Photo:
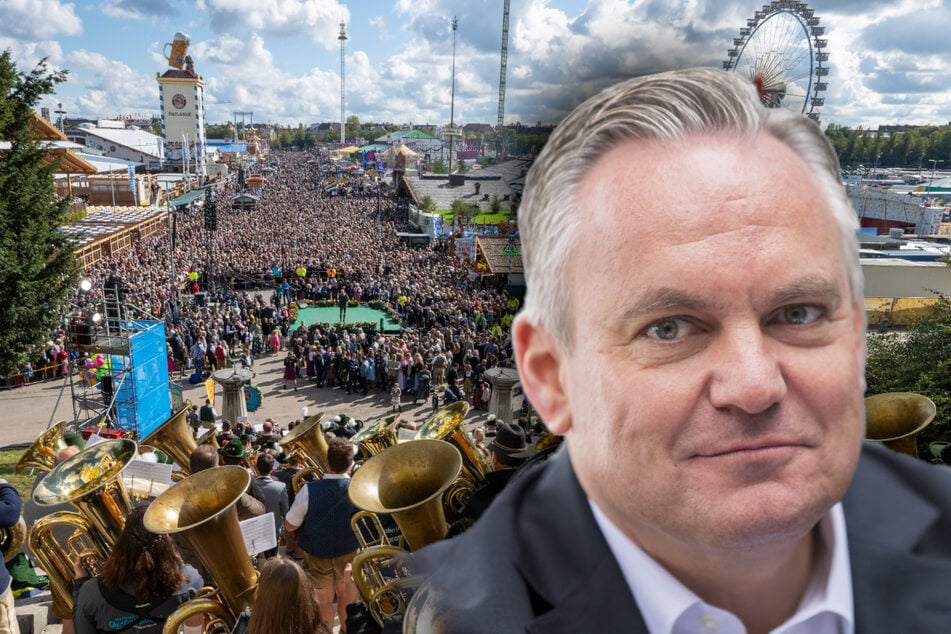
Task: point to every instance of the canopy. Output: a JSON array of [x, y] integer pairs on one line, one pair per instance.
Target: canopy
[[398, 150]]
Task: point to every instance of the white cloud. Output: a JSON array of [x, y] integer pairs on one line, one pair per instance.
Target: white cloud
[[317, 19], [38, 19], [379, 23], [110, 86]]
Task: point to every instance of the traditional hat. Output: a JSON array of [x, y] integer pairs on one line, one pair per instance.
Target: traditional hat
[[509, 441], [233, 450]]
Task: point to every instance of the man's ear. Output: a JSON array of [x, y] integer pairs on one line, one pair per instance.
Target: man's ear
[[540, 369]]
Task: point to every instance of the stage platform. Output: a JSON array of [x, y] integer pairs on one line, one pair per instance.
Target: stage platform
[[355, 314]]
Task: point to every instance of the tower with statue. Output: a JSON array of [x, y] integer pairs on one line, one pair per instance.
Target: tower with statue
[[181, 95]]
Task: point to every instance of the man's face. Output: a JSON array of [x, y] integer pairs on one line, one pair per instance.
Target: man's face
[[715, 372]]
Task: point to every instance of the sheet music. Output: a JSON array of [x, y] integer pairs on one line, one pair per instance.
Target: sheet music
[[150, 479], [258, 427], [258, 533]]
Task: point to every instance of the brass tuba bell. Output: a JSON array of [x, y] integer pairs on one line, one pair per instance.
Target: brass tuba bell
[[174, 437], [41, 455], [407, 481], [447, 424], [202, 507], [91, 481], [377, 436], [12, 538], [896, 418], [309, 439]]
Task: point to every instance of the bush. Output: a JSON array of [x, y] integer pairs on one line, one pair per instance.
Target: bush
[[916, 360]]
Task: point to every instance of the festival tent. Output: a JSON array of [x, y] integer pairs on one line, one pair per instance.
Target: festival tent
[[399, 150]]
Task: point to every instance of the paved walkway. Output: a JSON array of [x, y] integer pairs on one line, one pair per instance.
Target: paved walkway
[[27, 411]]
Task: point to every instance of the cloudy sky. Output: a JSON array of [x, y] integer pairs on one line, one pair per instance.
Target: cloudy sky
[[280, 59]]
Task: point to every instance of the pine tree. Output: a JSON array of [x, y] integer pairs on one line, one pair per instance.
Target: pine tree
[[37, 266]]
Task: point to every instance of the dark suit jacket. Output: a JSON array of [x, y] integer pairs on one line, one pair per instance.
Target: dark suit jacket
[[537, 561]]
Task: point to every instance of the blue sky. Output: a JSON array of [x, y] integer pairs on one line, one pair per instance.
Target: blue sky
[[888, 59]]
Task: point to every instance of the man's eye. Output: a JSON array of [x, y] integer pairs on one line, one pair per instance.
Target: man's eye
[[668, 329], [800, 314]]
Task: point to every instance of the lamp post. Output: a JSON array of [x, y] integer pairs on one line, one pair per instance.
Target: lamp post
[[934, 167], [452, 93], [379, 217], [62, 117], [173, 286]]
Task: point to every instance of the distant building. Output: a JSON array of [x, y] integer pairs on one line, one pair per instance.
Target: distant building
[[115, 140]]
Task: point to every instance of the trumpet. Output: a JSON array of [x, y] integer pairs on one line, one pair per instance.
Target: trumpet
[[92, 481]]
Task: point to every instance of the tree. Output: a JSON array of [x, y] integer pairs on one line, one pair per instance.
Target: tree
[[439, 167], [37, 266], [426, 204], [463, 213]]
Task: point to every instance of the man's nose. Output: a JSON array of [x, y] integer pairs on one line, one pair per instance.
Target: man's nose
[[747, 373]]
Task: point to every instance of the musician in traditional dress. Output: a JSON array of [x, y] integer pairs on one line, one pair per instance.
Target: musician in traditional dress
[[694, 326], [10, 507], [321, 516]]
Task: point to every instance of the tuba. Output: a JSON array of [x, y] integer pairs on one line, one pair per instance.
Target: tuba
[[92, 481], [309, 439], [174, 437], [447, 424], [896, 418], [12, 538], [406, 481], [41, 455], [202, 508], [377, 436]]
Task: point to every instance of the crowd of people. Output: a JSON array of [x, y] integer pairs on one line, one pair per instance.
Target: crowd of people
[[232, 300], [453, 327]]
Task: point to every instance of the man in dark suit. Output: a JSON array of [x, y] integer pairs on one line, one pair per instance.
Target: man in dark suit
[[694, 326]]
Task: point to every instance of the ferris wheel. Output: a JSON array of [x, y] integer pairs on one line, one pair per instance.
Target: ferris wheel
[[781, 51]]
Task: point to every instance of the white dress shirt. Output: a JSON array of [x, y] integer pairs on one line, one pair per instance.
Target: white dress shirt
[[669, 607]]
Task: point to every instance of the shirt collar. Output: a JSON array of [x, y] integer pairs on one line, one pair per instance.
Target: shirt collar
[[335, 476], [663, 599]]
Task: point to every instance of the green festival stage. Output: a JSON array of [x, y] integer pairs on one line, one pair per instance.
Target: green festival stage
[[355, 315]]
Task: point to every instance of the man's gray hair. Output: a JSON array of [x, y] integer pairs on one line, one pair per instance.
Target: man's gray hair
[[663, 107]]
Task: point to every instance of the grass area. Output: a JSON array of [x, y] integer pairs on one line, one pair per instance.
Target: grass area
[[484, 218], [22, 482]]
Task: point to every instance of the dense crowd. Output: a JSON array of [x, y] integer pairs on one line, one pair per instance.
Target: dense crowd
[[453, 327]]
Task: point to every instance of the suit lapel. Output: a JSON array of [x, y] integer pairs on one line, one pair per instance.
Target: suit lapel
[[890, 524], [568, 565]]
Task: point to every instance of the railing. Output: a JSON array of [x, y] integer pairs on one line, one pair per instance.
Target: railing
[[42, 374]]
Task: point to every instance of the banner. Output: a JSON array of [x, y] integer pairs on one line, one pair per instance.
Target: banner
[[210, 390]]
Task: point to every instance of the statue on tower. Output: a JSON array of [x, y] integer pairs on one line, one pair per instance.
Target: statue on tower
[[178, 56]]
